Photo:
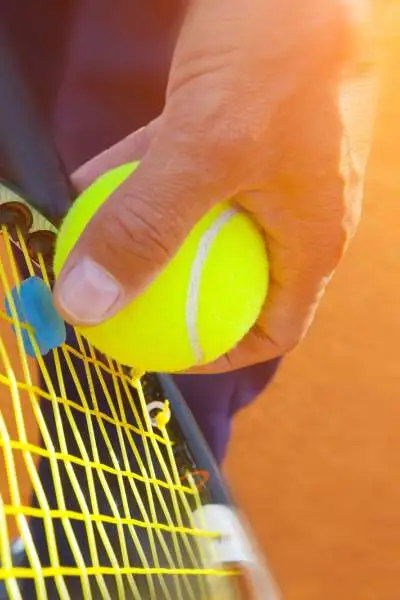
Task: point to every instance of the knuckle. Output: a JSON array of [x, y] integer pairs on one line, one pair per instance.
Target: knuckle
[[225, 136], [287, 341], [323, 242], [284, 340], [334, 243], [231, 150], [235, 133], [136, 232]]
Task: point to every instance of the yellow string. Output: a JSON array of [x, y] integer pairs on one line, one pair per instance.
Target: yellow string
[[137, 502]]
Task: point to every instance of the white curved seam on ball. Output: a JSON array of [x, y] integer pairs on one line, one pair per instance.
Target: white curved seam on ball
[[192, 301]]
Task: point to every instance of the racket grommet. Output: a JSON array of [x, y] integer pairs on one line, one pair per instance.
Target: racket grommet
[[41, 243], [15, 215]]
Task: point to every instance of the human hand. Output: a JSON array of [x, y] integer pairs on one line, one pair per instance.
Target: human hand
[[251, 113]]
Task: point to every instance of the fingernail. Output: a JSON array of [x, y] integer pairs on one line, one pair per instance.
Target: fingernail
[[88, 292]]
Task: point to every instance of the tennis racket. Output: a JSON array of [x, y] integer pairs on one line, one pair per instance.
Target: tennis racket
[[107, 488]]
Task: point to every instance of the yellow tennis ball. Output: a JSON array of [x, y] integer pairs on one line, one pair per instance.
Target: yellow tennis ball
[[199, 307]]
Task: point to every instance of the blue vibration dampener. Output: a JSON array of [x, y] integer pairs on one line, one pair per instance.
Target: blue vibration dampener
[[34, 306]]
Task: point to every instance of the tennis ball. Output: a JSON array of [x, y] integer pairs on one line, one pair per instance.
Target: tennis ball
[[202, 303]]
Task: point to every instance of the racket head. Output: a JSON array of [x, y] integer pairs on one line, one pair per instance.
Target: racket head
[[98, 499]]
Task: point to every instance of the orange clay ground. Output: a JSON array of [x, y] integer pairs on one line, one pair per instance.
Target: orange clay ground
[[316, 461]]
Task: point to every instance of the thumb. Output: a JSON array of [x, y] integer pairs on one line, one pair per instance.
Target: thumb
[[137, 230]]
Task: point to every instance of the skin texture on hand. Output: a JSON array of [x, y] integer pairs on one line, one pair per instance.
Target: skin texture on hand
[[252, 113]]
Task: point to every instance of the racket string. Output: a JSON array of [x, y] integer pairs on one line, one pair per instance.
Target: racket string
[[21, 434], [117, 496]]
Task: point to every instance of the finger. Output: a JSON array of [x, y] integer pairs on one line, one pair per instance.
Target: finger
[[302, 263], [308, 225], [132, 148], [139, 228], [288, 313]]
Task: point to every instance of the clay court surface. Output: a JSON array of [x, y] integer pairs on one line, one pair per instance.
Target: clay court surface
[[316, 462]]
